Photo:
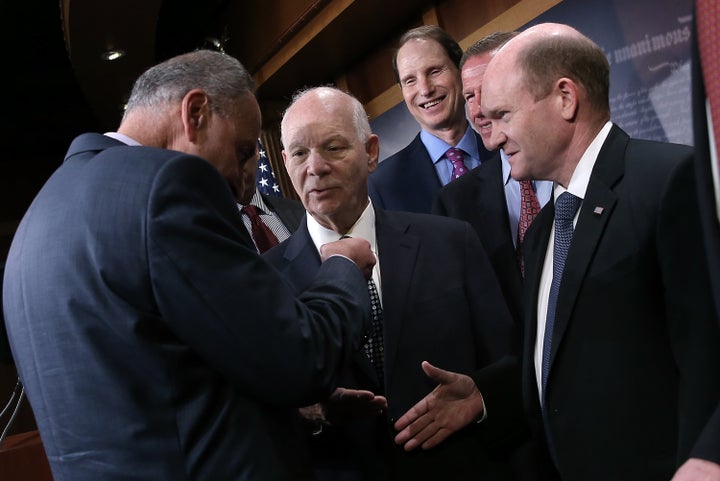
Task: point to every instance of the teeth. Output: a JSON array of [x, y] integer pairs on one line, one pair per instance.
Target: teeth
[[430, 104]]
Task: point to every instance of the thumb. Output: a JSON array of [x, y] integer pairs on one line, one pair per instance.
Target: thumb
[[438, 375]]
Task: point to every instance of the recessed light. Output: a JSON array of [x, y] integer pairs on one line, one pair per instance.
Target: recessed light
[[112, 54]]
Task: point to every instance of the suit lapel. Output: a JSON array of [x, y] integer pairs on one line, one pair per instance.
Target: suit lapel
[[595, 212], [303, 260], [398, 251]]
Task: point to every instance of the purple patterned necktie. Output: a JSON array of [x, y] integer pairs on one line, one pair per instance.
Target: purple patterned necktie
[[456, 158]]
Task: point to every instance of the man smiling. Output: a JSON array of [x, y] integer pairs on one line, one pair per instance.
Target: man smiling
[[426, 65]]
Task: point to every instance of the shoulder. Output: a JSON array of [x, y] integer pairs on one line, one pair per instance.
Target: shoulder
[[429, 224], [399, 159]]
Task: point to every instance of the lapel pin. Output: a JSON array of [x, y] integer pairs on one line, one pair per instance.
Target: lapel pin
[[598, 210]]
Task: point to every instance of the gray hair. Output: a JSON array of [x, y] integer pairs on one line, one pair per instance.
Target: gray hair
[[360, 117], [222, 77], [488, 43]]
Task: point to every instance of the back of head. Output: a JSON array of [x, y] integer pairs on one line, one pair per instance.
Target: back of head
[[430, 32], [486, 44], [552, 51], [221, 76]]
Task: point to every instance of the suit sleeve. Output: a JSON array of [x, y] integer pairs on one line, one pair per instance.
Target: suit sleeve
[[692, 323], [499, 379], [231, 307]]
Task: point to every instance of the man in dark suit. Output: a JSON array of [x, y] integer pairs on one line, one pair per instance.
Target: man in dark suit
[[152, 340], [426, 66], [440, 303], [282, 216], [622, 351], [705, 19], [488, 197]]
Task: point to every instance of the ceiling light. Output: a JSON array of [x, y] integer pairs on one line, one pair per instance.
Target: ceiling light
[[112, 54]]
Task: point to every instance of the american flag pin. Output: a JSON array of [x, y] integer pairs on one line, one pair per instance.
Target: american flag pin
[[598, 210]]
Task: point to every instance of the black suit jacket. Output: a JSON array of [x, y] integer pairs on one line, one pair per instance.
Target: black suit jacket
[[289, 211], [441, 303], [635, 363], [479, 198], [708, 210], [152, 341], [407, 180]]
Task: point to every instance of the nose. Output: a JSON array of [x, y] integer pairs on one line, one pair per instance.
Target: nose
[[474, 112], [496, 137], [316, 164], [425, 86]]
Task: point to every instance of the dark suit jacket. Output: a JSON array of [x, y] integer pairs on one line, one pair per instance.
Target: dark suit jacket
[[407, 180], [290, 211], [479, 198], [441, 303], [635, 363], [152, 340], [708, 210]]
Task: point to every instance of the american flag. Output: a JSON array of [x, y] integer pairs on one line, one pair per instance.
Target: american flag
[[266, 182]]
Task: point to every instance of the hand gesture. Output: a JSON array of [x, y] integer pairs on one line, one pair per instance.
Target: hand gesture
[[452, 405]]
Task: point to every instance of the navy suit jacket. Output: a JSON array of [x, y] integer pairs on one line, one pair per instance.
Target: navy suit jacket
[[152, 340], [441, 303], [635, 363], [289, 211], [479, 198], [407, 180]]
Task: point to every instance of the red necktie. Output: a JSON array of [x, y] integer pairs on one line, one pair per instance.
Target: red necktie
[[529, 209], [261, 233], [707, 17], [456, 158]]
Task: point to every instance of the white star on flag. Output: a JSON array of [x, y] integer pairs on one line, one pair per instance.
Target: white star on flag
[[266, 183]]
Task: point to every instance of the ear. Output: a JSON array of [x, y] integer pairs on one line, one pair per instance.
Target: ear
[[568, 96], [195, 108], [372, 147]]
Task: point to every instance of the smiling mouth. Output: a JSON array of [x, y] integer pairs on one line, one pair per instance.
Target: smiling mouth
[[430, 104]]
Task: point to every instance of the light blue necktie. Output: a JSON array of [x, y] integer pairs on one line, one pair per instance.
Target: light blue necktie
[[565, 208]]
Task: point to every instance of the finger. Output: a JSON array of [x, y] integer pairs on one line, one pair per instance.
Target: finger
[[422, 434], [438, 437], [411, 415], [438, 375]]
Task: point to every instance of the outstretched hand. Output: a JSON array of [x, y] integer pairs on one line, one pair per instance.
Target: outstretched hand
[[452, 405], [344, 406]]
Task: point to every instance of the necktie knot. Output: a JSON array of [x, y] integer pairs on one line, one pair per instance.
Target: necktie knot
[[455, 156], [566, 206]]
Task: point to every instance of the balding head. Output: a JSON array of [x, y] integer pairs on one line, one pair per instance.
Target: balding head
[[549, 51], [546, 94], [329, 151]]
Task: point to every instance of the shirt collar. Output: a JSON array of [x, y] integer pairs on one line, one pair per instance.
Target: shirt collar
[[122, 138], [364, 227], [581, 175], [437, 147]]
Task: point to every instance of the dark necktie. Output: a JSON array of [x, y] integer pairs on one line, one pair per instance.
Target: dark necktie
[[374, 345], [707, 15], [261, 233], [456, 158], [529, 209], [565, 208]]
